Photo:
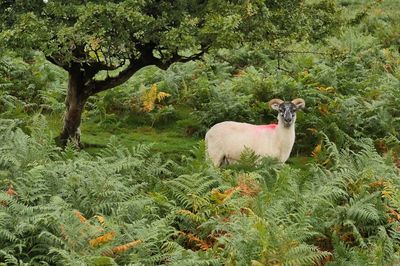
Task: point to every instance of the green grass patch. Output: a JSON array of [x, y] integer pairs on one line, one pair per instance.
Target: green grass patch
[[170, 140]]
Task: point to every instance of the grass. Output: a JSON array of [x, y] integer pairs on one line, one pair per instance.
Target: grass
[[170, 140]]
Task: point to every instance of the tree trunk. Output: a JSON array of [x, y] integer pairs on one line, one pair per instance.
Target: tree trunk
[[74, 103]]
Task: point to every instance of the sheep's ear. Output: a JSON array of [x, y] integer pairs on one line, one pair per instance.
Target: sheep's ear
[[300, 103], [274, 103]]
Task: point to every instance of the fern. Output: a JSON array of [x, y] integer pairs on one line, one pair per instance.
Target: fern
[[281, 223], [304, 255], [39, 220], [187, 188]]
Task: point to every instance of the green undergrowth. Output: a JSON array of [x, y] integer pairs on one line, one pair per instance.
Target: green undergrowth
[[126, 204]]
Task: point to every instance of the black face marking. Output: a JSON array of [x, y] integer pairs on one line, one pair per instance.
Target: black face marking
[[287, 111]]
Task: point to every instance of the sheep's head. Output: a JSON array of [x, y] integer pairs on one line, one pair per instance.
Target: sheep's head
[[287, 110]]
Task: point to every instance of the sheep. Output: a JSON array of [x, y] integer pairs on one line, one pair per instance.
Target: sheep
[[226, 141]]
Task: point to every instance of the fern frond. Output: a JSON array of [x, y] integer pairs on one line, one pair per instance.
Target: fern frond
[[304, 254]]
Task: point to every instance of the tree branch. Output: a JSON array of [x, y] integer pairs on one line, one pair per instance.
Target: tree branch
[[146, 59], [98, 66], [96, 86], [58, 63], [177, 58]]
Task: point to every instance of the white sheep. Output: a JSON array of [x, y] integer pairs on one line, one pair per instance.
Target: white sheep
[[226, 141]]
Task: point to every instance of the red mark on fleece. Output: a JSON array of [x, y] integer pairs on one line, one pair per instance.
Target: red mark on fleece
[[267, 127]]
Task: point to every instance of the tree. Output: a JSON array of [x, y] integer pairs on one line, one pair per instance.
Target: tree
[[119, 37]]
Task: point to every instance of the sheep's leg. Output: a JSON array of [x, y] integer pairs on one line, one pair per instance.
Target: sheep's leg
[[219, 160], [229, 161], [216, 157], [223, 161]]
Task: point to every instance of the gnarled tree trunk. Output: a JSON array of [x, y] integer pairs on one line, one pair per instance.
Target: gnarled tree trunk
[[75, 101]]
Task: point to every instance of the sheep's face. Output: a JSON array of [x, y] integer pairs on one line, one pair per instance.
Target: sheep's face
[[287, 113], [287, 110]]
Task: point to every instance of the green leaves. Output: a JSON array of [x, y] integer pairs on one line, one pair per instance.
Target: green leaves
[[58, 28]]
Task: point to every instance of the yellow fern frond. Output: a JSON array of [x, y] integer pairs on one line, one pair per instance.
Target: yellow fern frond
[[224, 196], [316, 150], [100, 219], [80, 216], [162, 95], [149, 98], [102, 239], [125, 247]]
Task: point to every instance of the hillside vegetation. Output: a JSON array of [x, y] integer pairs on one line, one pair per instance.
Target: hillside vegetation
[[140, 192]]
